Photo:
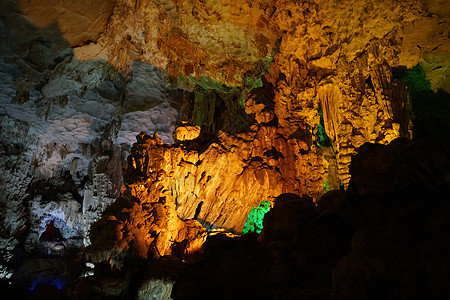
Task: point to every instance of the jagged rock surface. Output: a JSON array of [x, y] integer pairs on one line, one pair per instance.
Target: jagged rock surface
[[66, 127], [130, 231], [219, 186], [269, 97], [326, 56], [385, 237]]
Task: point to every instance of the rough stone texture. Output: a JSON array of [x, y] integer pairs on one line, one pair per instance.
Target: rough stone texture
[[156, 289], [219, 186], [293, 260], [148, 105], [158, 279], [189, 37], [65, 215], [66, 125], [80, 22], [343, 65], [281, 95], [386, 237], [130, 231], [187, 133], [330, 57], [326, 55]]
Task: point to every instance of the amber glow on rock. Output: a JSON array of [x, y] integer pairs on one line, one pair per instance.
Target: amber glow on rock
[[226, 182], [218, 149]]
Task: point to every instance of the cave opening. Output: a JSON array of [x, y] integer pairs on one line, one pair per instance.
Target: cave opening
[[51, 233]]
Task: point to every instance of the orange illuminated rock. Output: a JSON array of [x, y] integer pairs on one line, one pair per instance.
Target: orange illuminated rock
[[325, 55], [384, 234], [192, 37], [187, 133], [130, 231], [220, 185], [269, 97], [80, 22]]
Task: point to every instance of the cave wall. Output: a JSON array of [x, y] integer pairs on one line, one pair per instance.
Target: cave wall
[[250, 99]]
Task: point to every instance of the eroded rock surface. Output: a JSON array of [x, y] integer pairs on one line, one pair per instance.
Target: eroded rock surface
[[325, 55], [385, 237], [249, 100], [60, 123], [219, 186], [130, 231]]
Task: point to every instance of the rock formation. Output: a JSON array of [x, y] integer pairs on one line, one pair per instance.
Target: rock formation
[[219, 186], [382, 238], [131, 132]]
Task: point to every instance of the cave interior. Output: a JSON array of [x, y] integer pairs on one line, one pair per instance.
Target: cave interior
[[207, 149]]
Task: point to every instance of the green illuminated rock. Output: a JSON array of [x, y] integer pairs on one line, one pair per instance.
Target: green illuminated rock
[[326, 185], [323, 140], [255, 218]]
